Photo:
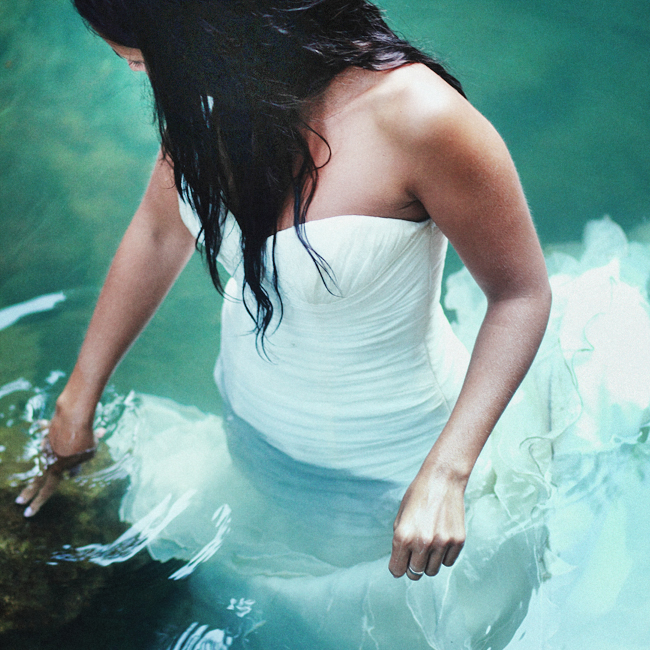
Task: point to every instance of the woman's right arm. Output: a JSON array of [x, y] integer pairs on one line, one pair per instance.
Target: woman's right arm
[[153, 251]]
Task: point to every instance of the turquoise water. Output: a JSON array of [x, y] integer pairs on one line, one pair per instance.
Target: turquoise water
[[566, 83]]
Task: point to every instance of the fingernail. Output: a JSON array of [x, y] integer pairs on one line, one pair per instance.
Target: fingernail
[[28, 512], [20, 500]]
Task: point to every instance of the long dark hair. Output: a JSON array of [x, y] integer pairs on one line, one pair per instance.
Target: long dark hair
[[229, 79]]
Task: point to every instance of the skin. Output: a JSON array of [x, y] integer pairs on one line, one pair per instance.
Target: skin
[[404, 145], [133, 57]]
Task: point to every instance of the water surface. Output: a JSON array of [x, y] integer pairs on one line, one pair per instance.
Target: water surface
[[566, 83]]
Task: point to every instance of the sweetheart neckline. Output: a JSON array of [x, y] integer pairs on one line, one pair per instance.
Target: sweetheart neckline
[[338, 217]]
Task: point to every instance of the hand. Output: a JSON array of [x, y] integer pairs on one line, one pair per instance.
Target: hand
[[429, 529], [52, 468]]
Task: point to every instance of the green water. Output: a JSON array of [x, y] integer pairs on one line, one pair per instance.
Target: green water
[[566, 83]]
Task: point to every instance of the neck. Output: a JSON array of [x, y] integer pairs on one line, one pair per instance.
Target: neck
[[340, 96]]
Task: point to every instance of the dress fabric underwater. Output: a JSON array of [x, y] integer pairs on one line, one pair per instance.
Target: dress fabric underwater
[[288, 499]]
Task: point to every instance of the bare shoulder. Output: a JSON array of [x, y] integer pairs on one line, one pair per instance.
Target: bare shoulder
[[438, 139], [412, 96], [421, 113]]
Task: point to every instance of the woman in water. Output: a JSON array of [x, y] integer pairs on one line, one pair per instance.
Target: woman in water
[[324, 162]]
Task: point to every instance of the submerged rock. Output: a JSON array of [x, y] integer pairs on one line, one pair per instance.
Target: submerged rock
[[38, 590]]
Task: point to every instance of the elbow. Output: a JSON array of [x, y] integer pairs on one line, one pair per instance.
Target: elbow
[[528, 300], [539, 301], [545, 298], [539, 298]]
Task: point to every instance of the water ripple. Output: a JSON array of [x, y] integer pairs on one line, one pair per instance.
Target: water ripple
[[9, 315], [222, 524], [199, 637], [135, 539]]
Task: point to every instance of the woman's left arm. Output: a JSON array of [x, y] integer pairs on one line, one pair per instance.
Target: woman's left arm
[[458, 168]]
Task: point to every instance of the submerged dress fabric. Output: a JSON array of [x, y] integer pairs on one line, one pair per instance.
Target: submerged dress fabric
[[283, 507]]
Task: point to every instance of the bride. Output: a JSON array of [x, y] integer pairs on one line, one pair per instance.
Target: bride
[[324, 162]]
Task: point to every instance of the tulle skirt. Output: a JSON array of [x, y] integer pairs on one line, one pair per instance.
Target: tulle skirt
[[557, 522]]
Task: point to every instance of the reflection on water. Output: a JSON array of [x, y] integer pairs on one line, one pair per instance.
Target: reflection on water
[[199, 637], [144, 533], [568, 93], [9, 315]]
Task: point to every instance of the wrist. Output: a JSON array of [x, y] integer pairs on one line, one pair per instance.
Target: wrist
[[75, 412], [437, 470], [79, 398], [449, 467], [71, 427]]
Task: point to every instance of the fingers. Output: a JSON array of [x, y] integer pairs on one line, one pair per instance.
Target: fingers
[[453, 551], [434, 560], [39, 490], [30, 491], [428, 561], [417, 565], [43, 486], [51, 482], [399, 558], [415, 559]]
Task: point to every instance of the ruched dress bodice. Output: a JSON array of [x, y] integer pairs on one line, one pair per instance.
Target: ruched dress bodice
[[362, 370]]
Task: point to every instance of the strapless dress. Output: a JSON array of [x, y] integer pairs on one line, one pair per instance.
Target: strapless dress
[[362, 370], [282, 505]]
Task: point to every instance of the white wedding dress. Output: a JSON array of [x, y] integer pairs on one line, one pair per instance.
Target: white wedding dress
[[283, 506]]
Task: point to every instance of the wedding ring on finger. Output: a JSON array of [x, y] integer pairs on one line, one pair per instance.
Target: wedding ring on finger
[[412, 571]]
